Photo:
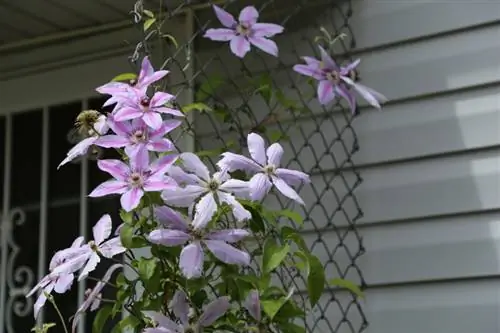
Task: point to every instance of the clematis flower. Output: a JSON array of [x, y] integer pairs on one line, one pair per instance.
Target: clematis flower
[[252, 304], [176, 231], [245, 32], [139, 105], [132, 181], [100, 127], [336, 81], [212, 312], [264, 165], [147, 76], [136, 135], [205, 188], [60, 283], [93, 296], [87, 256]]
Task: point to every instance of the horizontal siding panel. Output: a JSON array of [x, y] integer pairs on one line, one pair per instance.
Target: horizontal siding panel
[[461, 307], [380, 22]]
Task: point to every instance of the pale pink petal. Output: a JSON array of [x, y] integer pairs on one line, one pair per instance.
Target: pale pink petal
[[40, 302], [63, 284], [214, 310], [204, 211], [170, 218], [156, 76], [191, 260], [152, 119], [345, 70], [146, 68], [220, 35], [252, 304], [265, 45], [46, 280], [348, 96], [109, 187], [160, 145], [227, 253], [102, 229], [239, 46], [308, 71], [249, 15], [192, 163], [166, 127], [101, 125], [159, 183], [115, 168], [94, 259], [183, 178], [162, 164], [160, 98], [121, 128], [139, 161], [228, 235], [77, 242], [75, 263], [257, 148], [165, 325], [236, 186], [131, 199], [327, 61], [239, 212], [232, 162], [182, 197], [325, 92], [286, 190], [259, 185], [180, 306], [312, 62], [112, 88], [168, 237], [111, 247], [112, 141], [292, 177], [266, 29], [127, 113], [274, 154], [95, 304], [371, 96], [224, 17], [79, 149], [173, 112]]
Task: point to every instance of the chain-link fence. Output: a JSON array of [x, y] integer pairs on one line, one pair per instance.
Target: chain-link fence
[[260, 93]]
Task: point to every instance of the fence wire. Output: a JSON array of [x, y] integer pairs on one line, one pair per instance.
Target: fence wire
[[262, 94]]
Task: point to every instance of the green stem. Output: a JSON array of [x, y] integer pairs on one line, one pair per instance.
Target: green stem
[[53, 302]]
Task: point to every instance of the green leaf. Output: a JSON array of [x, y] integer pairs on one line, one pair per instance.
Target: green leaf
[[148, 13], [273, 255], [125, 77], [272, 306], [148, 23], [202, 107], [127, 217], [171, 39], [126, 235], [207, 88], [292, 215], [315, 279], [146, 268], [129, 322], [292, 328], [101, 318], [346, 284], [288, 233]]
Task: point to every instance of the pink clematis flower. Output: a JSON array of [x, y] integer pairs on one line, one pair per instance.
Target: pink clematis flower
[[179, 232], [93, 296], [60, 283], [147, 76], [336, 81], [81, 148], [208, 189], [244, 33], [132, 181], [87, 256], [264, 166], [136, 135], [180, 307], [138, 105]]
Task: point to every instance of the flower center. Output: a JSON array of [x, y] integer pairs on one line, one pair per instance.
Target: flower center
[[145, 101], [190, 330], [93, 246], [135, 179], [333, 76], [139, 136], [243, 30], [353, 75], [132, 82], [213, 185], [269, 169]]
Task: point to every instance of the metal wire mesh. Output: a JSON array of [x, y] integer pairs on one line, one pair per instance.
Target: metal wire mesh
[[320, 141]]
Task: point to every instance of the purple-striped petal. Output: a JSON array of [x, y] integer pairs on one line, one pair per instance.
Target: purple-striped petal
[[79, 149], [173, 112], [63, 283], [235, 186], [191, 260], [293, 177], [183, 178], [228, 235], [204, 211], [232, 162], [345, 70], [259, 186], [249, 15], [158, 183], [170, 218], [214, 311], [109, 187], [166, 127], [160, 98], [224, 17], [112, 141], [168, 237], [371, 96], [102, 229], [348, 96], [139, 161], [152, 119], [131, 199], [115, 168], [239, 212], [266, 45], [127, 113], [182, 197], [160, 145], [111, 247], [227, 253], [257, 148], [274, 154], [327, 61], [252, 304], [266, 29], [308, 71], [121, 128], [192, 163], [162, 164], [239, 46], [90, 266], [220, 35], [286, 190], [165, 324], [325, 92], [180, 307]]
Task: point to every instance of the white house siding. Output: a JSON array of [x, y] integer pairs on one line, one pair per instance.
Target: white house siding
[[429, 162]]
